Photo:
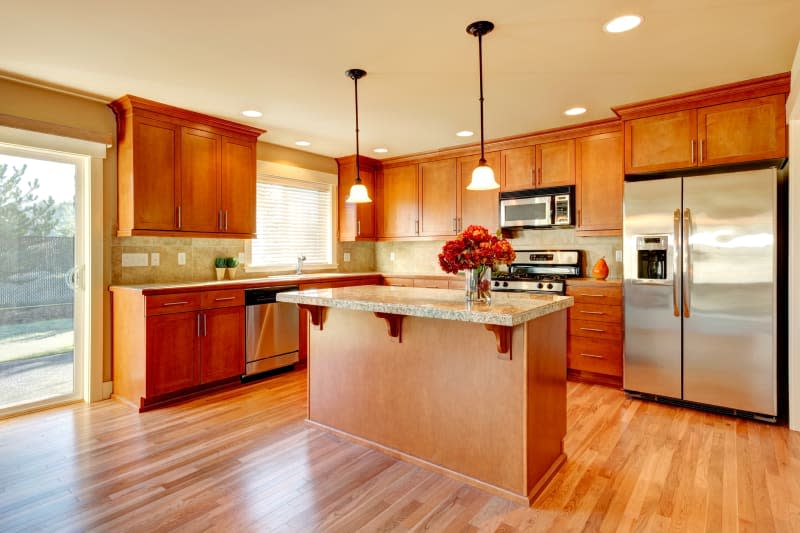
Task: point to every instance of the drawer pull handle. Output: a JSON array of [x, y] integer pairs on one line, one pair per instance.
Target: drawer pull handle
[[593, 329], [225, 299], [593, 295], [592, 312], [593, 356], [165, 304]]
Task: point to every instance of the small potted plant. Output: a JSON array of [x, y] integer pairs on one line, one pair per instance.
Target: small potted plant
[[219, 265], [231, 263]]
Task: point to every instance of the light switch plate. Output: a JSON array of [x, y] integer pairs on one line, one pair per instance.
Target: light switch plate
[[347, 257], [181, 258], [241, 258], [155, 259], [618, 256], [391, 256], [134, 260]]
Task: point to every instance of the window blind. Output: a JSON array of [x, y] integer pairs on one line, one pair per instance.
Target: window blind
[[293, 218]]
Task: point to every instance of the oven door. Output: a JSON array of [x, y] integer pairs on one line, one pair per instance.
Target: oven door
[[531, 211]]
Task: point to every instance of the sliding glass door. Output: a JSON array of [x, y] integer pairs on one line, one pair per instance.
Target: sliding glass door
[[40, 315]]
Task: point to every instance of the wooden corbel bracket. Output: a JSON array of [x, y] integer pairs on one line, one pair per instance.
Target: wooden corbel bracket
[[317, 313], [394, 324], [503, 336]]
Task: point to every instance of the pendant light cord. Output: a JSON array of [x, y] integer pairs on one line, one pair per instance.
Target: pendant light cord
[[358, 156], [480, 71]]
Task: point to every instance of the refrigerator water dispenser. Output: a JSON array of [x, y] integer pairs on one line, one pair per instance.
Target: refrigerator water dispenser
[[651, 256]]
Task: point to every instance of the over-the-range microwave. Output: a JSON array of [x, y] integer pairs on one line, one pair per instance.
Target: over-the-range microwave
[[537, 208]]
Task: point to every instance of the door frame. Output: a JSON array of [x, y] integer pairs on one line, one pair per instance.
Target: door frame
[[89, 247]]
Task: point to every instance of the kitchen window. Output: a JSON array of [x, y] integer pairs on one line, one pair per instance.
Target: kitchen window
[[294, 217]]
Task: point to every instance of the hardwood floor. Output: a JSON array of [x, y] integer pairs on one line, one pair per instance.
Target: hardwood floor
[[243, 460]]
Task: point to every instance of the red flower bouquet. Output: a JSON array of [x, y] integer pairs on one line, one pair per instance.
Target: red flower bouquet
[[476, 251]]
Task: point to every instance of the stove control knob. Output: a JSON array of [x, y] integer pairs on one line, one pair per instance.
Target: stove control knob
[[505, 284], [549, 285], [496, 283], [539, 285]]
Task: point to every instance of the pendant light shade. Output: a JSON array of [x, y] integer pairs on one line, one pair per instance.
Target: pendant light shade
[[358, 192], [483, 175]]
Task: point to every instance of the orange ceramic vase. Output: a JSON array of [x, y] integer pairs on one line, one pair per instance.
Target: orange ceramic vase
[[600, 269]]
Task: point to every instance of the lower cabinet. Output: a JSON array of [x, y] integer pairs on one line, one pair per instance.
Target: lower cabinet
[[169, 345], [594, 344]]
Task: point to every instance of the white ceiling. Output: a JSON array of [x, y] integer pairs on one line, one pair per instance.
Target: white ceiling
[[287, 59]]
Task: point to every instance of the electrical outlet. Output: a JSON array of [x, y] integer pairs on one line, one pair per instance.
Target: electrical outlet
[[241, 258], [391, 256], [134, 260], [618, 256], [181, 258], [155, 259], [347, 257]]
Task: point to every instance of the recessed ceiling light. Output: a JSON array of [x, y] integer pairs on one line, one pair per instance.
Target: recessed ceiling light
[[302, 143], [381, 150], [623, 23], [252, 113], [465, 133], [572, 111]]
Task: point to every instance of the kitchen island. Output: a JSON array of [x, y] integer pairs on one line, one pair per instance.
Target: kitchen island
[[476, 392]]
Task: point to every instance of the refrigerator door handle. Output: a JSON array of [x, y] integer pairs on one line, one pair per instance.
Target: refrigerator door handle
[[687, 262], [676, 224]]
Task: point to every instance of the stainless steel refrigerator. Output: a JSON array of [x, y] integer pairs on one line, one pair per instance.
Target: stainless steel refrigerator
[[700, 269]]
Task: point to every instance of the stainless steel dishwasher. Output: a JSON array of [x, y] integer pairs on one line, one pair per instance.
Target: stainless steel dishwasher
[[271, 330]]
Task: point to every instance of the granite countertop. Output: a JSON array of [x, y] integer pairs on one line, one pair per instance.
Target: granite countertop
[[234, 283], [506, 309]]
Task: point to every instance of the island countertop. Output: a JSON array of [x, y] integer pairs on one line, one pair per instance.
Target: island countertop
[[506, 309]]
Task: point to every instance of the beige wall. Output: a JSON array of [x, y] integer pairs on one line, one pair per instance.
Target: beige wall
[[793, 114], [33, 102]]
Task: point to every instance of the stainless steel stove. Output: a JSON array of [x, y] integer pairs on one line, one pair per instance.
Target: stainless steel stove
[[539, 271]]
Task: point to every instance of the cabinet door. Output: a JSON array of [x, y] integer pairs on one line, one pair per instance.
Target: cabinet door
[[663, 142], [399, 202], [238, 186], [742, 131], [517, 168], [172, 348], [155, 181], [438, 197], [478, 207], [555, 163], [599, 184], [200, 181], [222, 351], [356, 221]]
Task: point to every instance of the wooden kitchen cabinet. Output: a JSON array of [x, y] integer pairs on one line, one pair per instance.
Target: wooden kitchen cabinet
[[399, 202], [357, 221], [555, 163], [438, 198], [181, 173], [742, 131], [517, 167], [599, 184], [728, 124], [478, 207], [172, 347], [595, 340], [222, 344]]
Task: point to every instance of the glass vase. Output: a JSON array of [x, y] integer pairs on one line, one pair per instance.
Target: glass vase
[[478, 284]]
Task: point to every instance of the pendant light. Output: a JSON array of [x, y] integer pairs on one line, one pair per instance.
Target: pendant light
[[358, 192], [482, 176]]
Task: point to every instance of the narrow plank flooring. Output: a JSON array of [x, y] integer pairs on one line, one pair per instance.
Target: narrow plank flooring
[[243, 460]]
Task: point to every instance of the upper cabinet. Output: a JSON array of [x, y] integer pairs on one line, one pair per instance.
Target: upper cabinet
[[181, 173], [398, 193], [438, 198], [550, 164], [478, 207], [599, 186], [357, 221], [729, 124]]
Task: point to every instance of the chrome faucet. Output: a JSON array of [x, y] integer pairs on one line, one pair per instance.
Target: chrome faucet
[[300, 259]]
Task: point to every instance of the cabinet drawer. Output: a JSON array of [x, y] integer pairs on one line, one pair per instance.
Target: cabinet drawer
[[456, 284], [599, 330], [597, 313], [431, 283], [222, 298], [595, 295], [595, 355], [162, 304]]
